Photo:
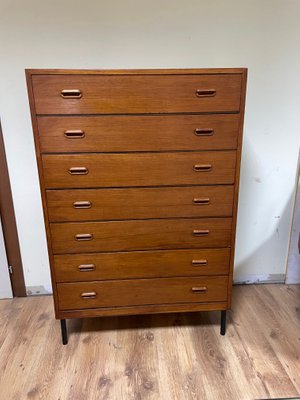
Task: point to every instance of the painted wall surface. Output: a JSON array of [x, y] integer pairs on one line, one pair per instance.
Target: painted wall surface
[[262, 35]]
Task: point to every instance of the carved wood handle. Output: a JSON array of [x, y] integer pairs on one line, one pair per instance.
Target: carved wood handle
[[200, 232], [199, 263], [205, 93], [86, 267], [81, 237], [203, 132], [202, 167], [71, 94], [74, 134], [89, 295], [199, 289], [82, 204]]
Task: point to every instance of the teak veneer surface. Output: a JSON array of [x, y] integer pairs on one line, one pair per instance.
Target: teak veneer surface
[[141, 235], [139, 175], [139, 169], [121, 133], [132, 94], [139, 203], [141, 264]]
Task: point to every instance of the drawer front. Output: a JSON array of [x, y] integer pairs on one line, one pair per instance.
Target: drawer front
[[82, 237], [141, 264], [138, 203], [106, 94], [137, 133], [141, 292], [138, 169]]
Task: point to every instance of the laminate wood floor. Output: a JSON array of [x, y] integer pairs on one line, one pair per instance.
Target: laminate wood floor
[[161, 357]]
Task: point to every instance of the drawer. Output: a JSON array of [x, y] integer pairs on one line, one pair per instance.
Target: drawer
[[135, 292], [108, 94], [137, 133], [137, 203], [141, 264], [138, 169], [82, 237]]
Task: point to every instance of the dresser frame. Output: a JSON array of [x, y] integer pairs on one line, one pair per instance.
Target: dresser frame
[[167, 308]]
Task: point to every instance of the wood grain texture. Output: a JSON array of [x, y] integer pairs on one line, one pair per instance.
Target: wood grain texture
[[163, 356], [152, 71], [139, 203], [137, 133], [9, 226], [104, 94], [140, 235], [141, 264], [139, 98], [237, 183], [138, 169], [135, 292]]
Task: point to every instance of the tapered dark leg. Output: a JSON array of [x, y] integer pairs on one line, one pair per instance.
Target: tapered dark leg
[[223, 322], [64, 333]]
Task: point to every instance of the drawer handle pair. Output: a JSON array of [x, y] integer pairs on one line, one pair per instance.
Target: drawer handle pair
[[86, 267], [78, 171], [202, 167], [82, 204], [199, 201], [200, 232], [71, 94], [199, 289], [89, 295], [77, 94], [206, 93], [199, 263], [74, 134], [82, 237]]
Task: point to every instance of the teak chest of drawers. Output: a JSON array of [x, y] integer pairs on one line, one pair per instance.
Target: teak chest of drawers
[[139, 175]]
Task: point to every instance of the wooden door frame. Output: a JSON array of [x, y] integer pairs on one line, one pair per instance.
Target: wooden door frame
[[9, 227]]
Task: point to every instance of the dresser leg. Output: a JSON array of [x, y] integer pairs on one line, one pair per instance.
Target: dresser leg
[[223, 322], [64, 333]]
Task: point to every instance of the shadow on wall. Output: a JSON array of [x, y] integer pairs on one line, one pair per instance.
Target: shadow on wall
[[263, 229], [293, 265]]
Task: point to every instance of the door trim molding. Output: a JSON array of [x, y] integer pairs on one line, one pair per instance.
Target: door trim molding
[[9, 226]]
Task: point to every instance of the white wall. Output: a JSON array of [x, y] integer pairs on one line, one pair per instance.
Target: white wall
[[262, 35]]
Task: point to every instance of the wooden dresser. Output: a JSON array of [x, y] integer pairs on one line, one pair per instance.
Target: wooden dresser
[[139, 175]]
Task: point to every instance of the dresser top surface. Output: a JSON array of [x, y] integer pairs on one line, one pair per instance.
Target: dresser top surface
[[183, 71]]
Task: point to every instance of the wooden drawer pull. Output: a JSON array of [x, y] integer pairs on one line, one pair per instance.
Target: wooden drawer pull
[[78, 171], [82, 204], [198, 263], [198, 201], [202, 167], [203, 132], [84, 237], [89, 295], [74, 134], [205, 93], [199, 289], [71, 94], [200, 232], [86, 267]]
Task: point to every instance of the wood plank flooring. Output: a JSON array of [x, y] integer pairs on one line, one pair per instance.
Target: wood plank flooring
[[159, 357]]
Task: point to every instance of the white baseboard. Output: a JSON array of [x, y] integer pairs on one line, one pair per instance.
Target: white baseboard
[[258, 279], [38, 290]]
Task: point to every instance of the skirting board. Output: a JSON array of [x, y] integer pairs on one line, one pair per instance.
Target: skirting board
[[258, 279], [239, 280], [38, 290]]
